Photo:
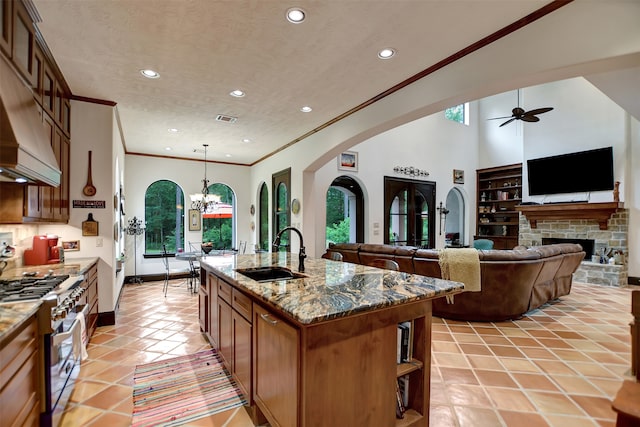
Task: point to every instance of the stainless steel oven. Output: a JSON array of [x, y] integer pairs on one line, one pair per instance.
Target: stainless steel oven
[[63, 353], [61, 325]]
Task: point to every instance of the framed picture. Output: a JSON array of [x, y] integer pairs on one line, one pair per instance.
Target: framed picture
[[195, 220], [458, 176], [71, 245], [90, 226], [348, 161]]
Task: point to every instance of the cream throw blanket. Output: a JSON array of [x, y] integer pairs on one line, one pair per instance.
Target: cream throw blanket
[[461, 265]]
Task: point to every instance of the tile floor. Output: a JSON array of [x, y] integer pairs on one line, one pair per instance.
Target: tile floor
[[559, 366]]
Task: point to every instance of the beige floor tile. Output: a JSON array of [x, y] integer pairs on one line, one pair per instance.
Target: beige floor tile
[[477, 417], [109, 397], [558, 366], [554, 403], [510, 399], [110, 419]]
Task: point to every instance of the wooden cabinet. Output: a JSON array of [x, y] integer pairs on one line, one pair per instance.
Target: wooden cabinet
[[213, 310], [499, 190], [225, 334], [341, 371], [203, 302], [228, 313], [418, 378], [90, 285], [37, 69], [276, 364], [234, 332], [6, 31], [20, 376]]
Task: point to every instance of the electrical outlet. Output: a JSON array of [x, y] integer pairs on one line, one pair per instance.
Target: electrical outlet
[[99, 242]]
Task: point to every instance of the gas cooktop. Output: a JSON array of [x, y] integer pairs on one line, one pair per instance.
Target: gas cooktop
[[29, 288]]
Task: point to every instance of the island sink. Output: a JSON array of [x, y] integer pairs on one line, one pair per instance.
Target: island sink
[[268, 274]]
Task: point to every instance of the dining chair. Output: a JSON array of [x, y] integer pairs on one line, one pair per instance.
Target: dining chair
[[483, 244], [387, 264], [169, 271]]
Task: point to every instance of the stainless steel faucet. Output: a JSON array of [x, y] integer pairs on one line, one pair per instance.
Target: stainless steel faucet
[[301, 256]]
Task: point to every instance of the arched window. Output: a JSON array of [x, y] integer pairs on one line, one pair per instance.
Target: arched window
[[164, 216], [345, 211], [217, 224], [281, 199], [454, 223], [263, 215]]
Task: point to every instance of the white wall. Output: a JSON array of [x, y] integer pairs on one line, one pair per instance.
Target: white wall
[[433, 143], [92, 128], [142, 171]]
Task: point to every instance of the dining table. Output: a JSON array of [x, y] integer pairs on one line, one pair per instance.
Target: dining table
[[194, 270]]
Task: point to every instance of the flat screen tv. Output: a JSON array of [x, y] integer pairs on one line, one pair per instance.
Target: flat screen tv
[[584, 171]]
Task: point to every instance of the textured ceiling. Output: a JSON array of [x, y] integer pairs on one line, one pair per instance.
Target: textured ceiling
[[203, 49]]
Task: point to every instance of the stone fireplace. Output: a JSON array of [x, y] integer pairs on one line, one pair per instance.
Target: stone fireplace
[[614, 236]]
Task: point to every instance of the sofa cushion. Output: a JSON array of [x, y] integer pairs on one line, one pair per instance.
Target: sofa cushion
[[349, 251]]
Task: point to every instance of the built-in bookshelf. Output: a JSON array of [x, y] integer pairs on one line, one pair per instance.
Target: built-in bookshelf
[[499, 191], [412, 377]]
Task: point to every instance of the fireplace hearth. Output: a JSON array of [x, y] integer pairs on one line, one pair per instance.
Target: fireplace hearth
[[587, 244]]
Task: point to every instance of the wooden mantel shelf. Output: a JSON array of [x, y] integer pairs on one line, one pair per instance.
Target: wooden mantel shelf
[[600, 212]]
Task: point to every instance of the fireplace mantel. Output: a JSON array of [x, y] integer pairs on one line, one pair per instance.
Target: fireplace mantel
[[600, 212]]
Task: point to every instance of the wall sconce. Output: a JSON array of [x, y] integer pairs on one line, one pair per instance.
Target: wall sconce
[[443, 215], [411, 171]]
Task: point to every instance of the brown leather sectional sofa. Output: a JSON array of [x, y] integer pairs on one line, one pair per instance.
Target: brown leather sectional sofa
[[513, 282]]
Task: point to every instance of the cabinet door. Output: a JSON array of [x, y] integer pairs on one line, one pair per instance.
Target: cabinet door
[[203, 310], [225, 335], [5, 26], [242, 353], [276, 368], [64, 179], [214, 332]]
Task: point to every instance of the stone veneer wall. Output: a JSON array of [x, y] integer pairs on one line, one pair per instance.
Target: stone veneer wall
[[614, 237]]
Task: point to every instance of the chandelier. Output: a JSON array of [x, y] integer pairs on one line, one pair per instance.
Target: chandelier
[[204, 201]]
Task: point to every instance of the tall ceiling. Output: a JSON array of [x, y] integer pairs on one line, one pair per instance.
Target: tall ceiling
[[204, 49]]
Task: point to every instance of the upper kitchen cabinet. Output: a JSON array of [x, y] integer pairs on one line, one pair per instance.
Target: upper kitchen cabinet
[[23, 41], [5, 26], [31, 62]]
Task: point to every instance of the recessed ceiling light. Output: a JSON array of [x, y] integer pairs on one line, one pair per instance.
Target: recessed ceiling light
[[295, 15], [227, 155], [21, 180], [306, 109], [237, 93], [173, 130], [167, 148], [386, 53], [150, 74], [246, 140]]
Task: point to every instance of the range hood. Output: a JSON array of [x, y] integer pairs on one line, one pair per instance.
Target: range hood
[[25, 147]]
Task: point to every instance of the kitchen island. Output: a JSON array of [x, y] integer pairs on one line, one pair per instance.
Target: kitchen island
[[321, 349]]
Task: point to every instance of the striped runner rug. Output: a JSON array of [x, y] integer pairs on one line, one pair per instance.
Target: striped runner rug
[[176, 391]]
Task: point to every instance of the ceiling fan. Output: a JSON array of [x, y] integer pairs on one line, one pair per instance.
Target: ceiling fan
[[520, 114]]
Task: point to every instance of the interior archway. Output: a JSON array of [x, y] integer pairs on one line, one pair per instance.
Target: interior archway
[[345, 211], [454, 223]]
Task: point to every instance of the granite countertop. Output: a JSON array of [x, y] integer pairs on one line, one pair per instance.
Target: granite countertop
[[332, 289], [72, 267], [12, 314]]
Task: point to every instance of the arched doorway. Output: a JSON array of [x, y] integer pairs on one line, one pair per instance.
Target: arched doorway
[[454, 224], [217, 223], [345, 211]]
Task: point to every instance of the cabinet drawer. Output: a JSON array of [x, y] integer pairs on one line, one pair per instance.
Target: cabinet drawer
[[224, 290], [242, 304]]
